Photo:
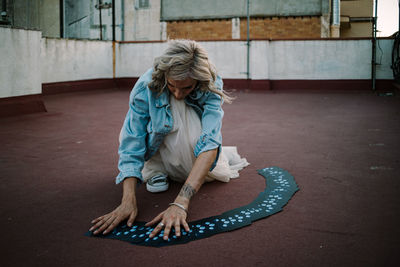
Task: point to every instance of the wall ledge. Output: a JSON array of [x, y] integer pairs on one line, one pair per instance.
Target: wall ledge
[[74, 86], [237, 84], [314, 85], [87, 85], [267, 39], [20, 105]]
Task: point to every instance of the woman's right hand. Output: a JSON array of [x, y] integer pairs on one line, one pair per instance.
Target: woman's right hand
[[127, 209], [109, 221]]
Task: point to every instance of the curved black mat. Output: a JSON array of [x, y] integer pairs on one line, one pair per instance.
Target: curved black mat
[[280, 187]]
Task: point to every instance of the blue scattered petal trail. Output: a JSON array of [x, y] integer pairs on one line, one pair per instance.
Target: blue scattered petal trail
[[280, 187]]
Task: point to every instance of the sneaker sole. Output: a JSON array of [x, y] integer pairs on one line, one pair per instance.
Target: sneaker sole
[[156, 189]]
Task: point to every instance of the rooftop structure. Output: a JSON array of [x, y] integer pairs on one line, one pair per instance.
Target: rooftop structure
[[145, 20]]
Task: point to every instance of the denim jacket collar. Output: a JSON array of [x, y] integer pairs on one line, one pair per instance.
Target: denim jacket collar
[[196, 94], [163, 99]]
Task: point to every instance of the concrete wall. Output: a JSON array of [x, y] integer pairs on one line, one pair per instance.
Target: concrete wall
[[41, 15], [20, 62], [357, 29], [50, 18], [142, 24], [320, 60], [229, 58], [275, 60], [325, 60], [356, 9], [26, 14], [71, 60], [82, 20], [200, 9], [29, 60], [133, 59]]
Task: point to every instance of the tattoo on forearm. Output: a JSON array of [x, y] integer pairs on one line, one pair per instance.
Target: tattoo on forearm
[[187, 191]]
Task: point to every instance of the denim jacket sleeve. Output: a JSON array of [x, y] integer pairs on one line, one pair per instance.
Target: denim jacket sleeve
[[211, 121], [132, 148]]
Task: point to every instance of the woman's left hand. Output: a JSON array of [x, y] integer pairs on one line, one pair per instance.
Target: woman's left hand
[[171, 217]]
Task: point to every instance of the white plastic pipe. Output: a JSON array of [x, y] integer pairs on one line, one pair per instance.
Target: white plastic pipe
[[336, 12]]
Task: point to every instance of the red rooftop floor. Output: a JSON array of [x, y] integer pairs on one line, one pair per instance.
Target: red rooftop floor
[[57, 173]]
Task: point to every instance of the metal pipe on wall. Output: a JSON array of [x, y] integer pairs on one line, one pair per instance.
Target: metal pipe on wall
[[113, 34], [373, 60], [101, 25], [122, 20], [336, 12], [248, 40], [28, 17], [113, 19], [61, 10], [335, 22]]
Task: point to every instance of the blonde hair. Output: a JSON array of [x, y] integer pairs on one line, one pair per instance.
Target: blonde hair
[[185, 59]]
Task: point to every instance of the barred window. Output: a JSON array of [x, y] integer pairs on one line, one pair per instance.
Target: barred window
[[143, 3]]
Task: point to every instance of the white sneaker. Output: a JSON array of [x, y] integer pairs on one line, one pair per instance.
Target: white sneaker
[[158, 183]]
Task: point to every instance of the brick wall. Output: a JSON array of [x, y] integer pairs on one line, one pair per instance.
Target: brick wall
[[200, 29], [282, 27], [274, 27]]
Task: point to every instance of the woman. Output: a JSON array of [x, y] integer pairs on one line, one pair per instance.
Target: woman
[[172, 129]]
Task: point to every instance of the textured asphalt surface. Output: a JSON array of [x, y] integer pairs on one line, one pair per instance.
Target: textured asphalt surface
[[57, 173]]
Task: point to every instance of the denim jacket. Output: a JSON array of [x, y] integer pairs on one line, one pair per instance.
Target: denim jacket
[[149, 120]]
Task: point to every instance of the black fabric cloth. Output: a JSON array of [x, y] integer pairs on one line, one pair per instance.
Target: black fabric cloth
[[280, 187]]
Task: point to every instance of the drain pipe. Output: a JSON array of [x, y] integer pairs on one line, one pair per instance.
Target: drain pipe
[[122, 20], [113, 19], [373, 61], [101, 24], [248, 40], [335, 26], [113, 35], [61, 19]]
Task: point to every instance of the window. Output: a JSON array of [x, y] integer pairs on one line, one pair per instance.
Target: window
[[143, 3]]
